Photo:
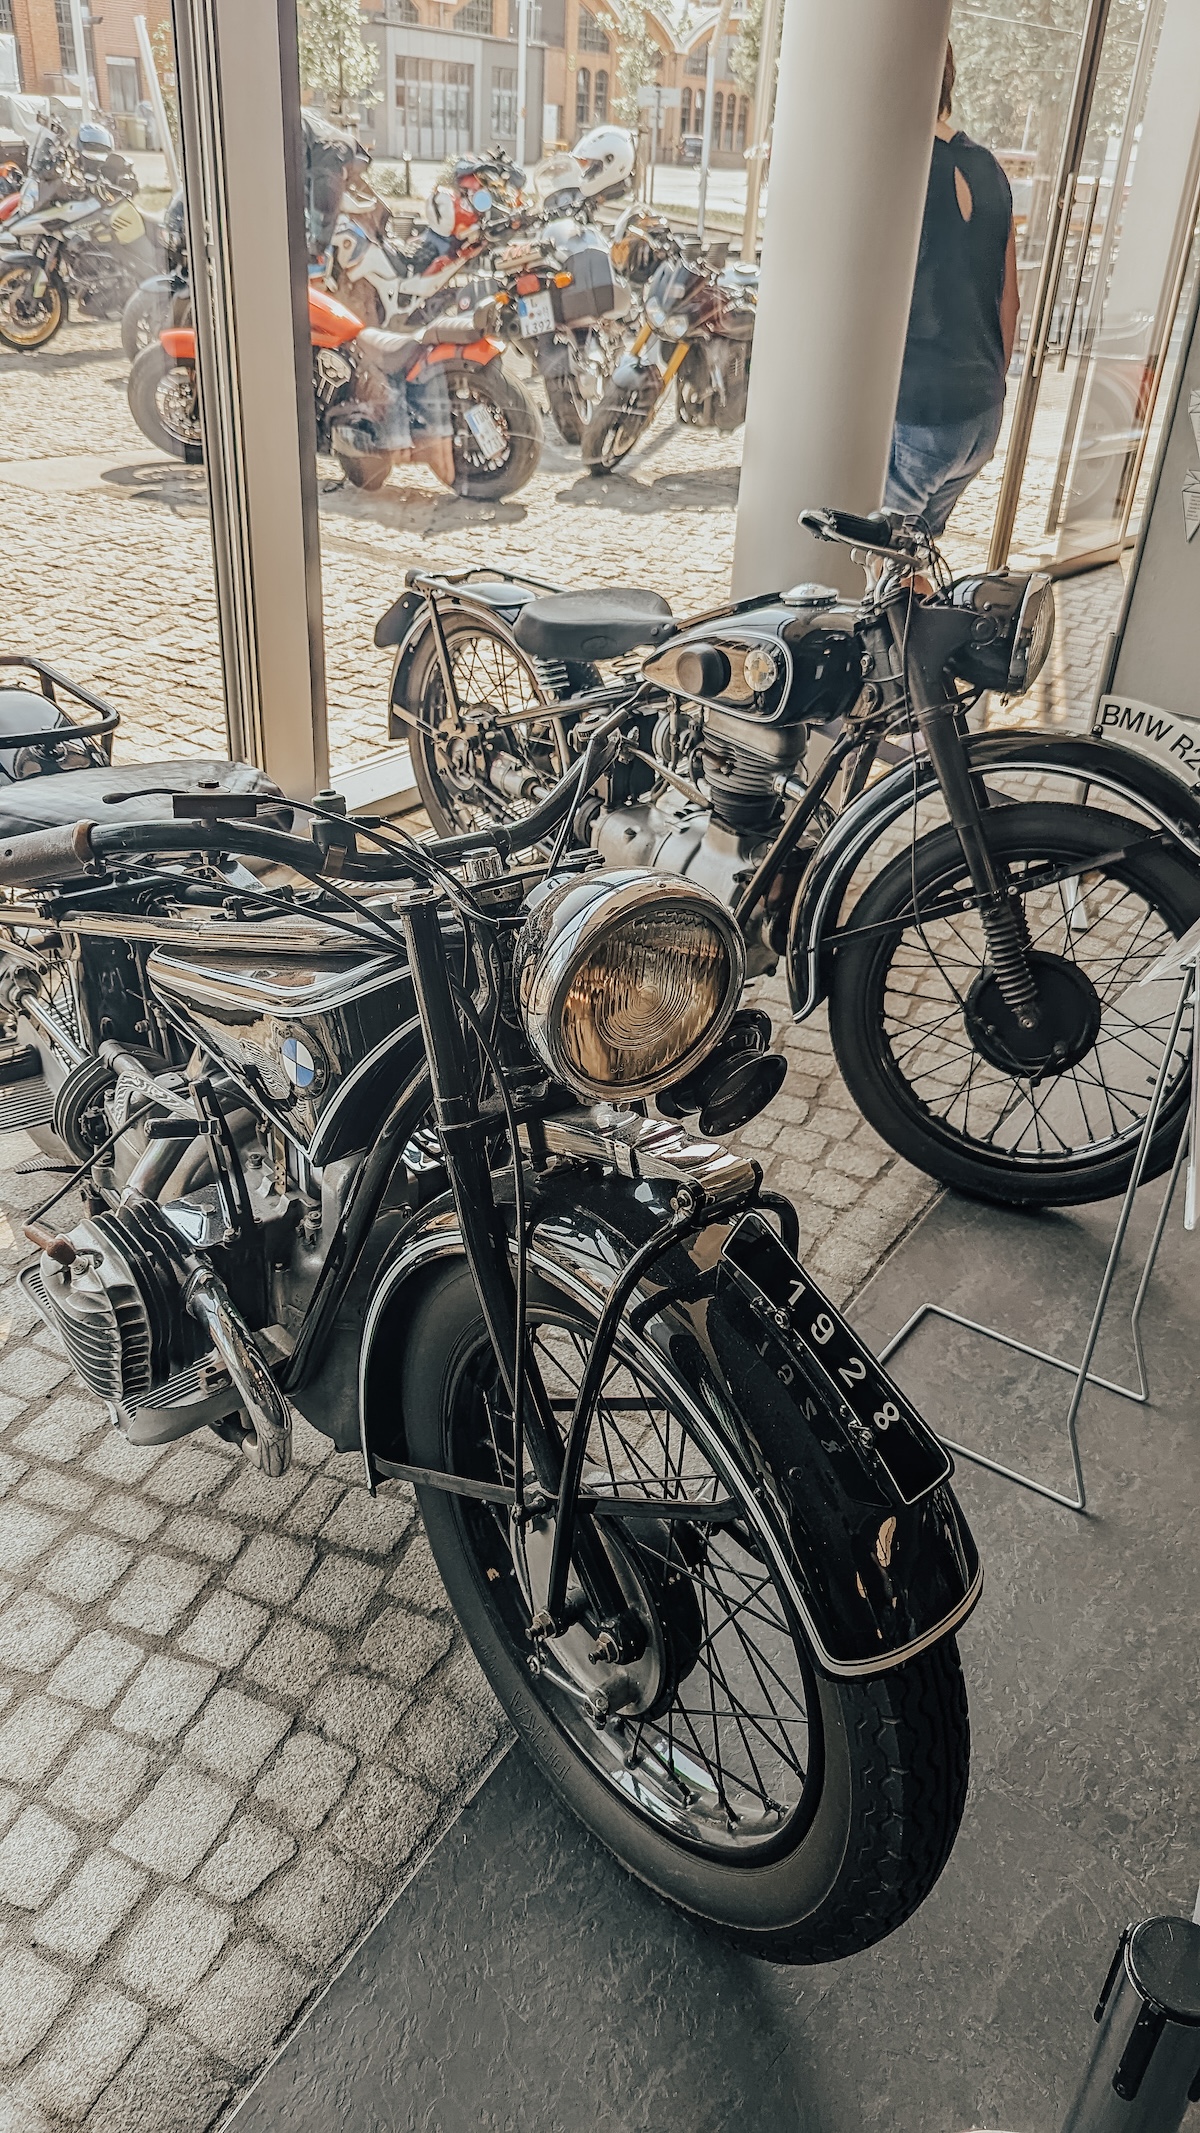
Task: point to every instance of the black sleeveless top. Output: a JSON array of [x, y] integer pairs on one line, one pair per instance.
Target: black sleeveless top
[[954, 353]]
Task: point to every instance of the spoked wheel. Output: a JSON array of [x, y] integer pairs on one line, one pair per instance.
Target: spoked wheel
[[804, 1818], [489, 772], [571, 404], [29, 317], [936, 1061], [164, 403]]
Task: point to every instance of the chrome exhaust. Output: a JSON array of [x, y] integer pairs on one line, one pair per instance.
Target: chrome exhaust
[[206, 1297]]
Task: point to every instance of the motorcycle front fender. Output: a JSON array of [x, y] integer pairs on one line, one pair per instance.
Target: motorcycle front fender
[[873, 1580], [1115, 770], [635, 372]]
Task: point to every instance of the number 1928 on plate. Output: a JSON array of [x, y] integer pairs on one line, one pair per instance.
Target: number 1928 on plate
[[882, 1421]]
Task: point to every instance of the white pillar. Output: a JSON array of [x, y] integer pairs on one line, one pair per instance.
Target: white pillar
[[239, 103], [81, 63], [854, 118], [522, 75]]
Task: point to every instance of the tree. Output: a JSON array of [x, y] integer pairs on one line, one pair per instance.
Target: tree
[[638, 60], [744, 60], [1016, 66], [162, 44], [336, 62]]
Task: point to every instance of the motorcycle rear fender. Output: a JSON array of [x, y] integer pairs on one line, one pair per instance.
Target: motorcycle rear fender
[[1115, 770], [483, 351], [180, 343], [873, 1580], [406, 622]]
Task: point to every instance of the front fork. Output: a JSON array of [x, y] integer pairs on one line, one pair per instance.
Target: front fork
[[464, 1134], [942, 725]]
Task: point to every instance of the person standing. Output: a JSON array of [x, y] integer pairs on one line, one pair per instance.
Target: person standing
[[961, 327]]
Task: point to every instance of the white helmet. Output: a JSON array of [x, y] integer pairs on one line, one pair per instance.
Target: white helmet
[[607, 156]]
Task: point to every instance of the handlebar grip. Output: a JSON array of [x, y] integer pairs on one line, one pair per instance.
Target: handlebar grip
[[43, 857], [876, 531]]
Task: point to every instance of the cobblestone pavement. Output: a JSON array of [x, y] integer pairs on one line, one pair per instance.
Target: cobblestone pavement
[[232, 1712]]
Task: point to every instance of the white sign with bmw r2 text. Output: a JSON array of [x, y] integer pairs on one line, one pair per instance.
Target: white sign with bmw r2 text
[[1173, 742]]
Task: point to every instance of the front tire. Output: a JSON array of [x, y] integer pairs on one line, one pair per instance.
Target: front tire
[[164, 403], [912, 1010], [621, 417], [143, 319], [802, 1818], [28, 321]]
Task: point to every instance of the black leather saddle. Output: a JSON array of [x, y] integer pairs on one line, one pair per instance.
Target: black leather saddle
[[593, 625], [58, 798]]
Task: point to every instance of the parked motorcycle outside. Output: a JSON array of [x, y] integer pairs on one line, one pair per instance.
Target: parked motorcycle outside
[[440, 396], [360, 1129], [978, 944], [695, 307], [77, 237]]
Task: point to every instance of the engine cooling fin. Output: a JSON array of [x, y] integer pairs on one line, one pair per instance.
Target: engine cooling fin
[[117, 1309]]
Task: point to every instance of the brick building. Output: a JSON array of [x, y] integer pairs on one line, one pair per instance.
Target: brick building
[[449, 80], [46, 49]]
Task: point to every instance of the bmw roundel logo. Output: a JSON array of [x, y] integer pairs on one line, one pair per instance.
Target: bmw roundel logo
[[299, 1065]]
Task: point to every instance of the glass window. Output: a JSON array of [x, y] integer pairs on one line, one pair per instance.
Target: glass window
[[477, 15], [433, 106], [583, 97], [685, 112], [730, 108], [504, 103], [698, 121], [554, 18], [66, 41], [600, 106], [591, 36], [742, 120], [124, 90], [696, 61], [718, 114], [6, 17]]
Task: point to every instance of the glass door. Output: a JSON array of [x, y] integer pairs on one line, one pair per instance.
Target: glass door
[[1106, 189]]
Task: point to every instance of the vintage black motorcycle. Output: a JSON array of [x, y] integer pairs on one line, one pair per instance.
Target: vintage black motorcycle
[[361, 1126], [978, 951]]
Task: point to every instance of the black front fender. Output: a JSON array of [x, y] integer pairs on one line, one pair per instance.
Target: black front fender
[[1112, 769], [873, 1579]]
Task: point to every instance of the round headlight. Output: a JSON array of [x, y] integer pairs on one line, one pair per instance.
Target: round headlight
[[625, 981], [675, 326], [1034, 633], [654, 311]]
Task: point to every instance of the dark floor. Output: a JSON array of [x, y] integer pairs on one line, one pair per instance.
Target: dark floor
[[523, 1980]]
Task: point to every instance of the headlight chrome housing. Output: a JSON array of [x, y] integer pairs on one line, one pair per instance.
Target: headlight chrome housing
[[626, 980], [1011, 638]]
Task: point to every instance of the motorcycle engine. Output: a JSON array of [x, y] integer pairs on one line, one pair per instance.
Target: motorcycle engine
[[332, 373], [737, 731]]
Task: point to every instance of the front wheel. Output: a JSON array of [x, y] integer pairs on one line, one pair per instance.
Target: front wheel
[[30, 316], [935, 1060], [801, 1817], [143, 319], [566, 382], [624, 414], [164, 403]]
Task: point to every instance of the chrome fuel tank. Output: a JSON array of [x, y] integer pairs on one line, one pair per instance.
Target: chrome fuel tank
[[320, 1043]]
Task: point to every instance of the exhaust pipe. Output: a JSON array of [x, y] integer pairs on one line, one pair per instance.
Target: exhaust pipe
[[206, 1297]]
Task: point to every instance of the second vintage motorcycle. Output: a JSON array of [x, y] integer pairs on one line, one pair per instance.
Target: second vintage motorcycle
[[978, 934], [360, 1126]]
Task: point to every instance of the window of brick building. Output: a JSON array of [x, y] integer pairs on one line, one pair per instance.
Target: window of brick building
[[600, 103], [583, 96], [591, 37], [477, 15]]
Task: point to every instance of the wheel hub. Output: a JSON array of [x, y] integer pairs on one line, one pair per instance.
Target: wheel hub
[[1068, 1020], [630, 1688]]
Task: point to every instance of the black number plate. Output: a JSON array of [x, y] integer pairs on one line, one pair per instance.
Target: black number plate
[[881, 1420]]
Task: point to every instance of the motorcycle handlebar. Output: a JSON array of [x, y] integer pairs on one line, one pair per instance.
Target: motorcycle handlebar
[[876, 532], [42, 857]]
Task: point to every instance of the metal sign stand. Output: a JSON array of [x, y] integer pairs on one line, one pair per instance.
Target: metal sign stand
[[1183, 960]]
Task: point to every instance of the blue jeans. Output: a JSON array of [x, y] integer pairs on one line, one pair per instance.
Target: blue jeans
[[930, 466]]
